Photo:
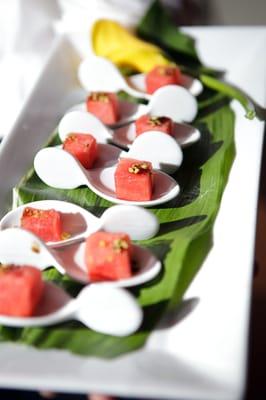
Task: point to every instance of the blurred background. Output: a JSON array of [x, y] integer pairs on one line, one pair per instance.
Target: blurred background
[[27, 31], [28, 27]]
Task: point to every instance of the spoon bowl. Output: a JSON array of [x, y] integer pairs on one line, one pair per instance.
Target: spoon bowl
[[104, 309], [145, 265], [165, 187], [70, 260], [193, 85], [184, 134]]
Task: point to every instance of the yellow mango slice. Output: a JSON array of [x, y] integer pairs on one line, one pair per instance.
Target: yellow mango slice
[[111, 40]]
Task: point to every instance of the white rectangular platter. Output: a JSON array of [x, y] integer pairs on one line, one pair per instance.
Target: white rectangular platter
[[203, 356]]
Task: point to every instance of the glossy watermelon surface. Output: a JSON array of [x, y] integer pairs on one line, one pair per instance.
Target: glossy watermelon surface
[[21, 289], [147, 123], [162, 76], [104, 106], [83, 146], [46, 224], [108, 256], [133, 180]]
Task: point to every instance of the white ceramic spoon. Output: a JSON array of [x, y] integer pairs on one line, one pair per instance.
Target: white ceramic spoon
[[59, 169], [107, 310], [97, 74], [77, 122], [193, 85], [85, 122], [138, 223], [21, 247], [171, 101]]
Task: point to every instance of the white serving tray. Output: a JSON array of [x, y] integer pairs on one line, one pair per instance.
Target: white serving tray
[[203, 356]]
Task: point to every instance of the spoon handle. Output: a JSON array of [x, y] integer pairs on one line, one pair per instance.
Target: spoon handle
[[137, 93], [109, 310], [75, 240], [65, 313]]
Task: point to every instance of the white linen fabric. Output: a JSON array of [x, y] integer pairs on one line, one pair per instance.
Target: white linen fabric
[[27, 31], [26, 34]]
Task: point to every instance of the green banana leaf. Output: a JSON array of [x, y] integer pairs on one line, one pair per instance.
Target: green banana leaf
[[157, 27], [184, 239]]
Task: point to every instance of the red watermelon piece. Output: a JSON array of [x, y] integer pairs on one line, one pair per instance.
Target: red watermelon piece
[[83, 146], [133, 180], [146, 123], [104, 106], [107, 256], [162, 76], [46, 224], [21, 289]]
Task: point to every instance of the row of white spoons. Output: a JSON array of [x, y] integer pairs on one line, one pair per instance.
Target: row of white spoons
[[84, 122], [104, 307], [61, 170]]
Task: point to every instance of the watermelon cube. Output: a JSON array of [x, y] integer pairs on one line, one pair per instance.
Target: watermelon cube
[[147, 123], [162, 76], [104, 106], [83, 146], [133, 180], [21, 289], [108, 256], [46, 224]]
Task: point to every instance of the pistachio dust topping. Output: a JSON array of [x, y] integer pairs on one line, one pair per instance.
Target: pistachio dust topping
[[165, 70], [5, 268], [72, 137], [65, 236], [119, 245], [35, 248], [30, 212], [156, 121], [137, 168], [99, 96]]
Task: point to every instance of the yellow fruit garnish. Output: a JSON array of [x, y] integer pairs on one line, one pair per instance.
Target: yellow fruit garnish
[[113, 41]]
